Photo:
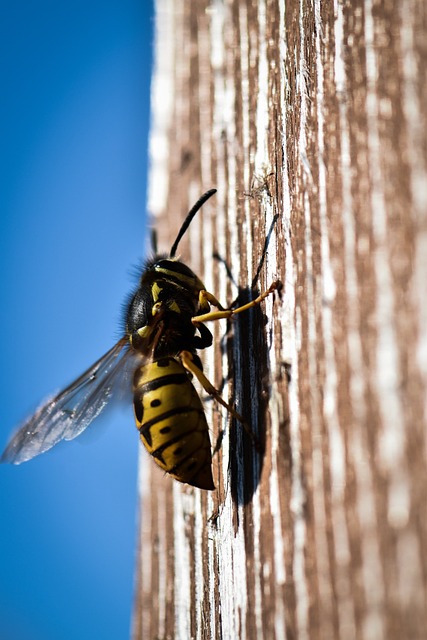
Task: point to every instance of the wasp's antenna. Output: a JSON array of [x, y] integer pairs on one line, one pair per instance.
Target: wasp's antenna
[[190, 215], [154, 241]]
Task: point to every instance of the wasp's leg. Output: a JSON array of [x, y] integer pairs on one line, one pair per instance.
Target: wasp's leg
[[188, 362], [206, 298], [227, 313]]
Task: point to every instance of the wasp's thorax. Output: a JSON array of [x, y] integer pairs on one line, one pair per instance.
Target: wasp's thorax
[[158, 317]]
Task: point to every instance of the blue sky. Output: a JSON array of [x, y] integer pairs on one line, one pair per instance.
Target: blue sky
[[75, 81]]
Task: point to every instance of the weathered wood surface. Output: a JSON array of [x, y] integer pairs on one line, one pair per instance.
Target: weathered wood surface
[[310, 120]]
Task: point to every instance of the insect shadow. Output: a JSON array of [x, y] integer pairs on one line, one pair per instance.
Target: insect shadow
[[246, 346], [248, 355]]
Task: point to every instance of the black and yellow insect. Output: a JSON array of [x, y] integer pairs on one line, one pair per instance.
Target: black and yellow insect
[[156, 357]]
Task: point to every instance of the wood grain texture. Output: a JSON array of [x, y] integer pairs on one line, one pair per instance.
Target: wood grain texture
[[310, 120]]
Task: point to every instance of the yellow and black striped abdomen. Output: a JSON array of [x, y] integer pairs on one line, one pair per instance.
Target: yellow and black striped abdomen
[[172, 423]]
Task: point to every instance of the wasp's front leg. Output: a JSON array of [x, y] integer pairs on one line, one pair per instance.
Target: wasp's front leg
[[206, 297]]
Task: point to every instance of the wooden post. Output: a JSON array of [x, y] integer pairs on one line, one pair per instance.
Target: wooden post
[[310, 120]]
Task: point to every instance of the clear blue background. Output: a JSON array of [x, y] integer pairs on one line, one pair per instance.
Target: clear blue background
[[74, 125]]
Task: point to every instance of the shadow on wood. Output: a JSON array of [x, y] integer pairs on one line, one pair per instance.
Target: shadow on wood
[[248, 355]]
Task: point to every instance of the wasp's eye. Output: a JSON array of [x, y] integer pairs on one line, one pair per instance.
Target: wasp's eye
[[139, 310]]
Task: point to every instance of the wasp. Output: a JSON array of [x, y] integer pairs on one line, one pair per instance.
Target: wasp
[[157, 358]]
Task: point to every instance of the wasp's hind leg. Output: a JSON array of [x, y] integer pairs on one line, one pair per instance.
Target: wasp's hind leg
[[206, 297], [187, 360]]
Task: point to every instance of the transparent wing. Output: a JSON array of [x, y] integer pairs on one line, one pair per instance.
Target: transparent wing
[[66, 415]]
